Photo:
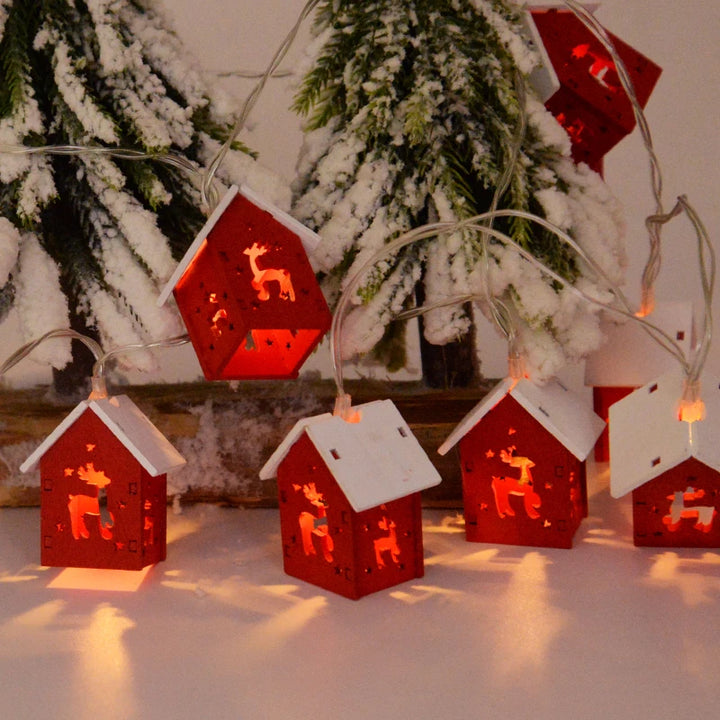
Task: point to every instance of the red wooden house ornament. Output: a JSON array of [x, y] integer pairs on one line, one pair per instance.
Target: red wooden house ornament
[[672, 467], [247, 293], [522, 455], [591, 103], [104, 447], [349, 493], [629, 358]]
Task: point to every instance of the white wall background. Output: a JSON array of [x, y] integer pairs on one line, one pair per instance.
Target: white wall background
[[681, 37]]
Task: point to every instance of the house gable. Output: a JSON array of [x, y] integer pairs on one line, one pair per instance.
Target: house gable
[[129, 425], [374, 461], [561, 412], [308, 238], [647, 438]]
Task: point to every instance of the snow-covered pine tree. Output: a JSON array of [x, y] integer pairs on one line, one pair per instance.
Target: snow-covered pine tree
[[412, 110], [92, 237]]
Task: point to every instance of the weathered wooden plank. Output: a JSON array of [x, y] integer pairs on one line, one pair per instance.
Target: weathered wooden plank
[[226, 432]]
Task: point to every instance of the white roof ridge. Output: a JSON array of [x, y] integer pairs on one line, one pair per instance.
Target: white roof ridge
[[552, 405], [308, 237], [131, 427], [374, 461]]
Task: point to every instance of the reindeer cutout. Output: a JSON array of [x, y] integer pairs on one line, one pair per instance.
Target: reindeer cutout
[[704, 514], [503, 486], [315, 525], [82, 505], [387, 543], [262, 277], [600, 66]]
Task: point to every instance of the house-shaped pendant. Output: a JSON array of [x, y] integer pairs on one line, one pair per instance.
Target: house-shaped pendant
[[103, 499], [672, 467], [349, 495], [591, 104], [522, 456], [247, 294]]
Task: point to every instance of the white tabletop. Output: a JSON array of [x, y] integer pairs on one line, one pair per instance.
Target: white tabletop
[[604, 630]]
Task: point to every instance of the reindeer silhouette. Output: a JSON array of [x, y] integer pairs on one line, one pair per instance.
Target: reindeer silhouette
[[599, 67], [315, 524], [262, 277], [81, 505], [705, 514], [387, 543], [504, 486]]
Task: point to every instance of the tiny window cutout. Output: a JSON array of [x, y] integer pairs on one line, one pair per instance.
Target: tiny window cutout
[[335, 453], [655, 462], [402, 431], [559, 470], [653, 388]]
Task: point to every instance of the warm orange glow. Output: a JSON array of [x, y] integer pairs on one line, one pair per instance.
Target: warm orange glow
[[387, 543], [315, 525], [691, 412], [95, 579], [680, 510], [261, 277], [600, 65], [81, 505]]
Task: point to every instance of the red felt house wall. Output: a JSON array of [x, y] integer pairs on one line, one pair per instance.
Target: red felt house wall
[[591, 104], [325, 542], [77, 528], [249, 298], [678, 508], [545, 507]]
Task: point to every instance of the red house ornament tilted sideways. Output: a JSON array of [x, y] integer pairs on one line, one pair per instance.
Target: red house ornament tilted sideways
[[349, 493], [522, 455], [247, 294], [629, 358], [591, 104], [103, 499], [671, 466]]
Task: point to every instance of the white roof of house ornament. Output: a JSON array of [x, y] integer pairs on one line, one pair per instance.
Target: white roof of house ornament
[[647, 438], [563, 413], [374, 461], [629, 357], [308, 238], [133, 429]]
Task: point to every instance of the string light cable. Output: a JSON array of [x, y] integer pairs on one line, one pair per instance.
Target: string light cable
[[101, 358], [653, 222], [209, 197], [481, 225]]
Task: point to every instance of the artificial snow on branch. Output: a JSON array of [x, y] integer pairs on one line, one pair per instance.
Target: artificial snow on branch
[[412, 110], [81, 80]]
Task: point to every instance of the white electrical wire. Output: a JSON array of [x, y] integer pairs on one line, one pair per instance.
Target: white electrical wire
[[480, 224], [652, 267], [208, 193]]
